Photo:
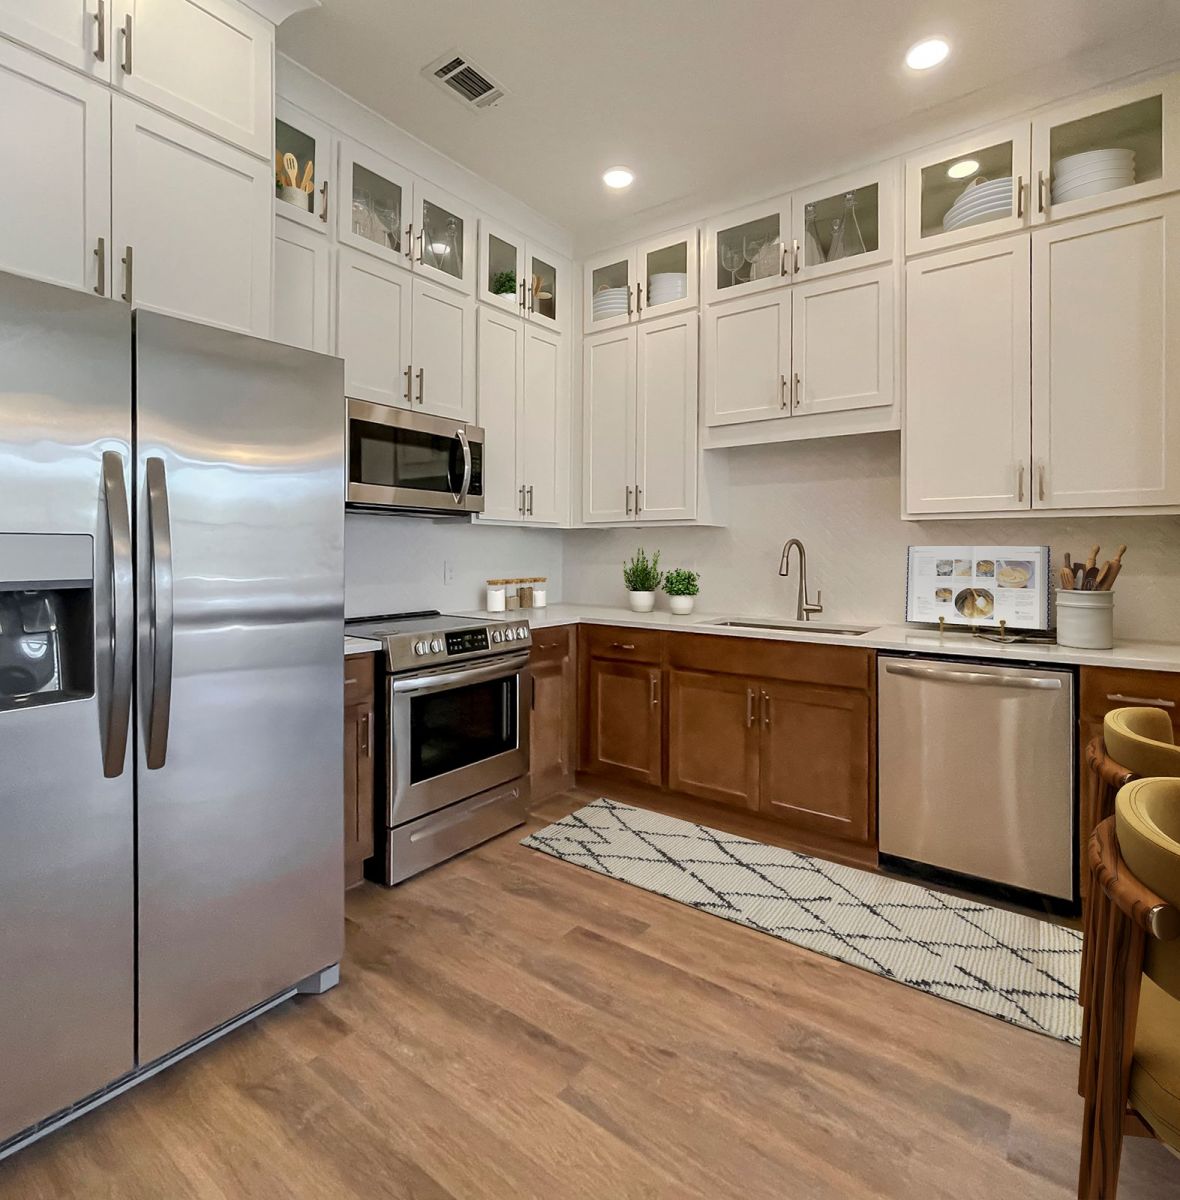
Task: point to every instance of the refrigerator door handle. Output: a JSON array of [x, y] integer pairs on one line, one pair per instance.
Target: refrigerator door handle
[[122, 601], [158, 705]]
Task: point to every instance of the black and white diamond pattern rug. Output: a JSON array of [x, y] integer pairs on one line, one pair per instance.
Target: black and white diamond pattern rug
[[1008, 965]]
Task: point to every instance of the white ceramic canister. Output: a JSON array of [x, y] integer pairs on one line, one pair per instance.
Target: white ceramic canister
[[496, 596], [1085, 619], [540, 599]]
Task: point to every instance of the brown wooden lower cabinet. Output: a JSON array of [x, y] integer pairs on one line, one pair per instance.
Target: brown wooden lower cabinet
[[713, 741], [553, 724], [359, 749], [623, 735]]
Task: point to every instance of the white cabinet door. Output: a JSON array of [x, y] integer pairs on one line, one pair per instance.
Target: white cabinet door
[[748, 359], [666, 419], [864, 203], [443, 352], [608, 418], [501, 385], [608, 291], [75, 32], [444, 238], [1106, 332], [209, 62], [539, 428], [197, 215], [501, 270], [312, 144], [547, 288], [968, 401], [303, 288], [842, 343], [668, 269], [374, 204], [373, 306], [747, 251], [56, 156]]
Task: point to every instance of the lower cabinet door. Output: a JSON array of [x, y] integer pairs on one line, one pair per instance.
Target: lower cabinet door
[[358, 790], [713, 737], [625, 721], [816, 773], [552, 732], [303, 287], [443, 352]]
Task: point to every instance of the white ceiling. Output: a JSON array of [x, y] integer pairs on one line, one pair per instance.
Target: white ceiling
[[709, 101]]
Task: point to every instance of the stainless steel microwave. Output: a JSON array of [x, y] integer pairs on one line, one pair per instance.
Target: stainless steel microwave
[[408, 462]]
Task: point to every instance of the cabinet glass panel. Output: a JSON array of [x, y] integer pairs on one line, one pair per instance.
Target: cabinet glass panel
[[296, 177], [376, 208], [501, 267], [610, 286], [841, 226], [544, 288], [442, 239], [752, 250], [969, 189], [1107, 150], [665, 274]]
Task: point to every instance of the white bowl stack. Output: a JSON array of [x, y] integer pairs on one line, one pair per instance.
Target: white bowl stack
[[1095, 171], [666, 287], [610, 302], [982, 200]]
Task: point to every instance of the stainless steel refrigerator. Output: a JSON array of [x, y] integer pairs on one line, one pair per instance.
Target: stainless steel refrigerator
[[171, 687]]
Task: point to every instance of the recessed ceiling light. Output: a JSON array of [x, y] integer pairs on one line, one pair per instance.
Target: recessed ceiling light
[[927, 53], [962, 168], [618, 177]]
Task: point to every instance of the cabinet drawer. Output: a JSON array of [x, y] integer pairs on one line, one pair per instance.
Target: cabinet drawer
[[551, 645], [359, 670], [796, 662], [1104, 689], [628, 645]]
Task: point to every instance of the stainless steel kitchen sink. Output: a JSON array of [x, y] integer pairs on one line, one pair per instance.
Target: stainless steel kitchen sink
[[798, 627]]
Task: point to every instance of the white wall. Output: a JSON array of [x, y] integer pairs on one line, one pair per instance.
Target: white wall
[[395, 564], [842, 497]]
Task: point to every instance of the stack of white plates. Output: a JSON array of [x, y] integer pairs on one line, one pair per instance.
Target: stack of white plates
[[666, 287], [982, 200], [1088, 174], [610, 302]]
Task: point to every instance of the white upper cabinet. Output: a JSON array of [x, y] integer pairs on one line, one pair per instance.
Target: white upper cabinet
[[1106, 331], [608, 419], [608, 291], [443, 352], [655, 278], [373, 323], [304, 182], [546, 288], [842, 343], [1111, 149], [443, 238], [666, 419], [968, 389], [747, 352], [969, 189], [521, 276], [747, 251], [208, 62], [539, 426], [844, 224], [191, 222], [57, 193], [75, 32], [374, 204], [301, 309], [500, 386]]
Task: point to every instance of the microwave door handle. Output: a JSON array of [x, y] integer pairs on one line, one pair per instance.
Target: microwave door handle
[[465, 486]]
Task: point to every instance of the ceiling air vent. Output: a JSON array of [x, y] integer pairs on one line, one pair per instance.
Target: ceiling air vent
[[467, 82]]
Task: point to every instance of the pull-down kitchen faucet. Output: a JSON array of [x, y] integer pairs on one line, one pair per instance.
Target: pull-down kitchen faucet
[[803, 607]]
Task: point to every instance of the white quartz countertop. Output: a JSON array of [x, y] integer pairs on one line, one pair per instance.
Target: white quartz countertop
[[356, 645]]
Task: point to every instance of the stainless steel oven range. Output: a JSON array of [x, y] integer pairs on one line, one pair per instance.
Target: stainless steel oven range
[[456, 757]]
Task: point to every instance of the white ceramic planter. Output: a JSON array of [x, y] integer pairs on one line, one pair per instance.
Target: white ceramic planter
[[642, 601], [682, 605]]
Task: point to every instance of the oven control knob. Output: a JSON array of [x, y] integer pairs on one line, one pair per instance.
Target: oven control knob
[[420, 647], [521, 632], [436, 645], [497, 635]]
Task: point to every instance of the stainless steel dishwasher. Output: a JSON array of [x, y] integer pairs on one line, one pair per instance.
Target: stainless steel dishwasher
[[976, 770]]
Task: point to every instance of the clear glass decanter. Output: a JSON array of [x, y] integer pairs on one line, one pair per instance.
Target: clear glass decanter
[[847, 239], [813, 247]]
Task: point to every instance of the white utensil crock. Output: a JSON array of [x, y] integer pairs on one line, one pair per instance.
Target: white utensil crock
[[1085, 619], [296, 196]]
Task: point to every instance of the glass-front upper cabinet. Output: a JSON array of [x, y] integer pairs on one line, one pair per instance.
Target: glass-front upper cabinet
[[748, 251], [303, 167], [544, 287], [501, 267], [962, 191], [443, 238], [1106, 150], [668, 274], [609, 290], [375, 206], [845, 223]]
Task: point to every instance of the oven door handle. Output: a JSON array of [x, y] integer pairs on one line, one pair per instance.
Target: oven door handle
[[465, 486], [437, 681]]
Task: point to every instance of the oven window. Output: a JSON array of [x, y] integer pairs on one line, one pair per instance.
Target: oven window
[[465, 725], [391, 457]]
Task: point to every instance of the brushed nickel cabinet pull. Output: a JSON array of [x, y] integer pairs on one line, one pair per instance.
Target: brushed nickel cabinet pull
[[520, 501], [421, 385], [522, 309], [410, 241], [1040, 191], [1019, 196], [749, 708], [100, 19], [628, 500], [1041, 482], [655, 690], [782, 389], [797, 392], [622, 645], [638, 298], [100, 252], [1020, 483], [795, 256], [409, 373], [765, 710], [629, 309], [638, 499], [126, 63], [530, 491], [421, 244], [366, 734], [1119, 698], [128, 261], [324, 206]]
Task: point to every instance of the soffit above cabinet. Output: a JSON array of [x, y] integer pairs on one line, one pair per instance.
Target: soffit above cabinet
[[279, 10]]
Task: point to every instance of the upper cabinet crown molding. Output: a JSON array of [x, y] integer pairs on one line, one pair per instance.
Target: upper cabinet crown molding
[[277, 11]]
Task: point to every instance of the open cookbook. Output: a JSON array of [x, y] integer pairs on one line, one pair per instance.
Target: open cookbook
[[979, 585]]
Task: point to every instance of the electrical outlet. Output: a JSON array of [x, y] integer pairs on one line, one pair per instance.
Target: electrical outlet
[[448, 572]]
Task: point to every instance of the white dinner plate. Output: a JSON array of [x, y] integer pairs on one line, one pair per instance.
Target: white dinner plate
[[977, 218], [1115, 157], [1082, 173], [997, 208]]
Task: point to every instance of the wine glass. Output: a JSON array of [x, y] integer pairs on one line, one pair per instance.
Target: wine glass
[[731, 259], [751, 248]]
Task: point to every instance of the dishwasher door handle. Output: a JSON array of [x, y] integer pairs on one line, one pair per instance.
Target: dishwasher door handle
[[982, 678]]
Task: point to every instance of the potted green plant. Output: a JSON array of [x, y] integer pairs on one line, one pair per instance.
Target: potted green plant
[[641, 577], [504, 283], [682, 586]]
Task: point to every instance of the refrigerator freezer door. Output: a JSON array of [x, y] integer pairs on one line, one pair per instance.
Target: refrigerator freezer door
[[240, 530], [67, 918]]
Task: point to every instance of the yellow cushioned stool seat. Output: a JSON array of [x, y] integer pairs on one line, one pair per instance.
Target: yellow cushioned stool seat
[[1155, 1073], [1141, 740]]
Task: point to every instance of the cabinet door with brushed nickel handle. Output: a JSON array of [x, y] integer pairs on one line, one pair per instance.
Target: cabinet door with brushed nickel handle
[[373, 324], [443, 351]]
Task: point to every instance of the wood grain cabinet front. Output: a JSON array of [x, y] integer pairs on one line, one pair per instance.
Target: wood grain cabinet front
[[554, 712], [360, 732], [713, 737]]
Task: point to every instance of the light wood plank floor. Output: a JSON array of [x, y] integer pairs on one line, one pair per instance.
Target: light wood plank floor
[[512, 1026]]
